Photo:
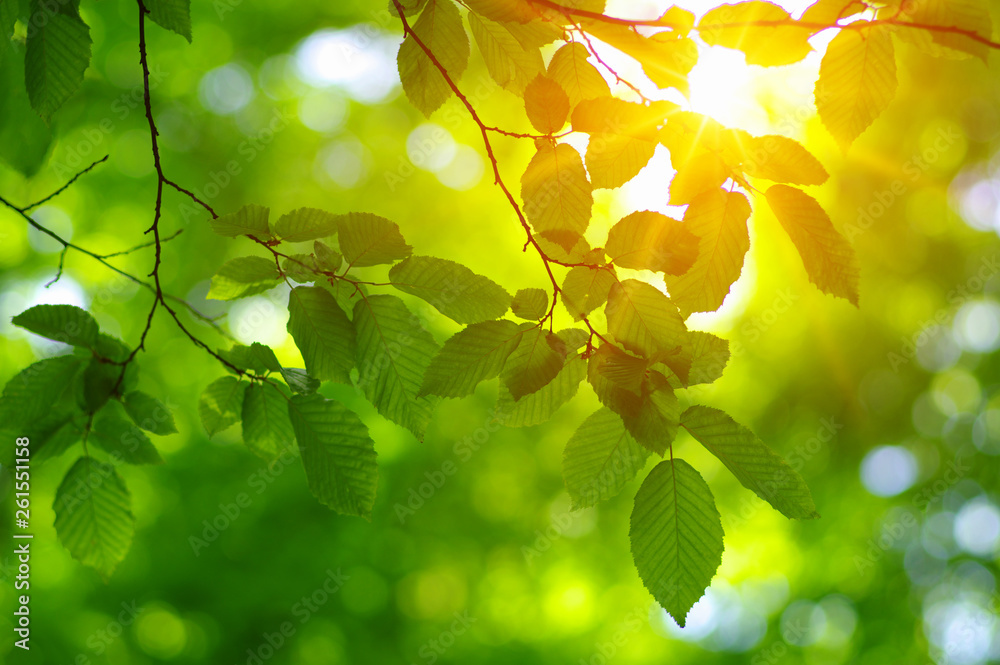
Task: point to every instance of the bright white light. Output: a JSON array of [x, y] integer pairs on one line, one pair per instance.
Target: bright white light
[[977, 326], [888, 470], [963, 629], [977, 528], [465, 170], [226, 90], [980, 205], [360, 59], [430, 147], [260, 319]]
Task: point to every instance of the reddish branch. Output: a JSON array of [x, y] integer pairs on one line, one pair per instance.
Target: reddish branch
[[657, 23]]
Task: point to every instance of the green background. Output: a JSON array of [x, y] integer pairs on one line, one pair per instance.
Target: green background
[[496, 543]]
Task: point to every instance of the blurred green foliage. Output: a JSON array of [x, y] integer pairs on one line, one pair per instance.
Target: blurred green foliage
[[490, 566]]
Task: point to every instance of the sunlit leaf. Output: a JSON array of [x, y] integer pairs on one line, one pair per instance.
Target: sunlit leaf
[[719, 219], [733, 26], [829, 259], [546, 104], [569, 67], [585, 289], [250, 220], [511, 64], [857, 80], [648, 240], [62, 323], [642, 318], [221, 404], [531, 304], [440, 29], [451, 288], [538, 407], [267, 431], [781, 159], [533, 364], [370, 240], [557, 195], [305, 224]]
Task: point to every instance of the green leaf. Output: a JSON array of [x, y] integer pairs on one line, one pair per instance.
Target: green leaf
[[267, 431], [93, 515], [149, 413], [370, 240], [676, 536], [538, 407], [474, 354], [719, 219], [305, 224], [829, 259], [250, 220], [511, 64], [322, 332], [709, 355], [557, 195], [337, 453], [585, 289], [174, 15], [533, 364], [650, 241], [221, 404], [100, 381], [242, 277], [24, 137], [440, 29], [642, 397], [265, 356], [531, 304], [58, 52], [327, 260], [299, 380], [300, 267], [244, 358], [756, 466], [454, 290], [113, 433], [642, 319], [394, 352], [600, 459], [53, 441], [580, 79], [62, 323]]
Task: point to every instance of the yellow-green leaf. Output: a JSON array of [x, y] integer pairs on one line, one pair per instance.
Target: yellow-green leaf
[[642, 318], [440, 29], [857, 80], [510, 63], [546, 104], [580, 79], [829, 259], [719, 219], [781, 159], [646, 240], [766, 45], [557, 195]]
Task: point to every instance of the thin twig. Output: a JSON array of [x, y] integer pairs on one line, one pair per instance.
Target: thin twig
[[65, 186]]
